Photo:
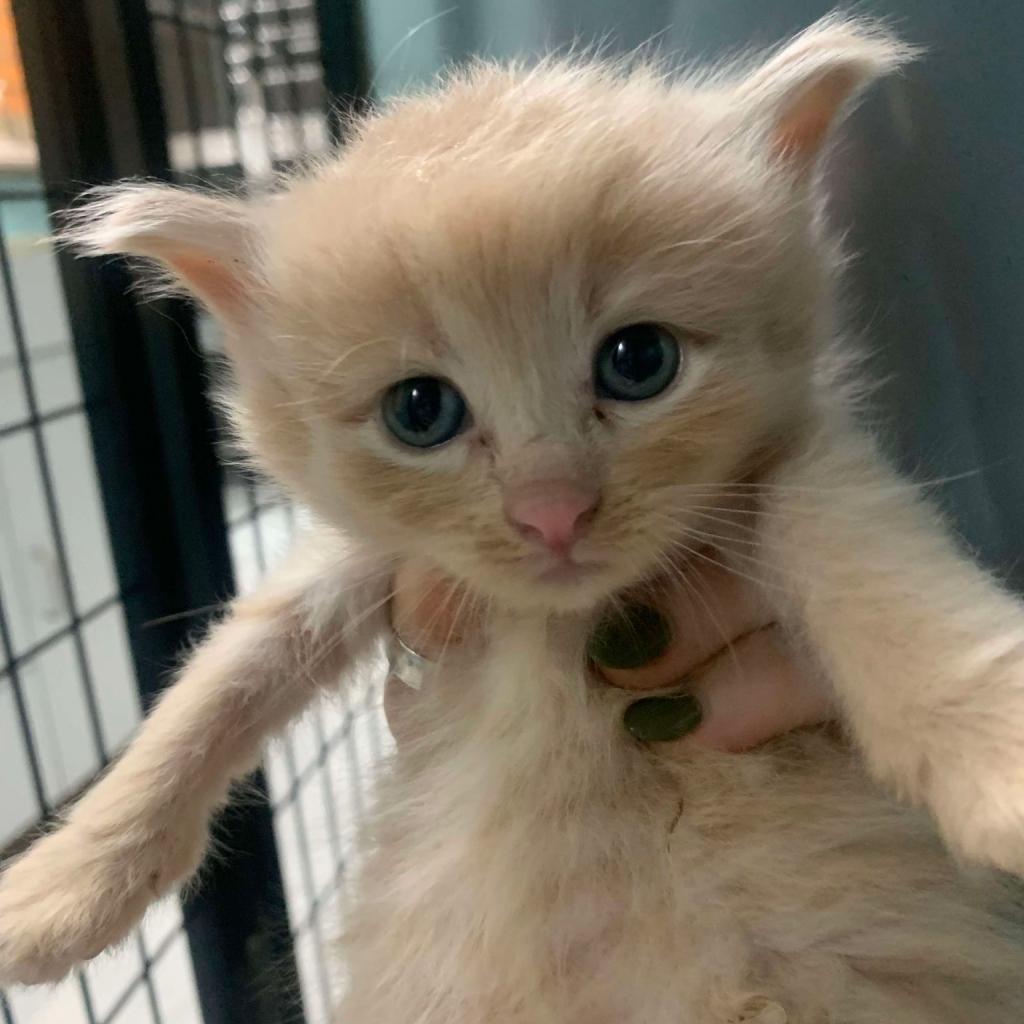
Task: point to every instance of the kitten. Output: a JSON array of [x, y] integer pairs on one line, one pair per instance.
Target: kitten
[[547, 327]]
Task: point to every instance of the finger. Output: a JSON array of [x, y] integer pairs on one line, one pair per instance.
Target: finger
[[759, 690], [749, 694], [698, 618], [429, 611]]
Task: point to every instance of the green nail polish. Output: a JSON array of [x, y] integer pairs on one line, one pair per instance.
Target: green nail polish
[[660, 719], [630, 638]]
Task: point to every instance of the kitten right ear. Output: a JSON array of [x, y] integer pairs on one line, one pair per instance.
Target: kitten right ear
[[800, 93], [198, 242]]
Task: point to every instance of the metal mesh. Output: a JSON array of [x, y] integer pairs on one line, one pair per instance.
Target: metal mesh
[[68, 699], [242, 84], [242, 89]]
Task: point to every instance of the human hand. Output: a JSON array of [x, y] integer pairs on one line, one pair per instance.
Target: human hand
[[725, 677]]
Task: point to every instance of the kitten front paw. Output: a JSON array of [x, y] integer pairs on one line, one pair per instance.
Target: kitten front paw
[[74, 894]]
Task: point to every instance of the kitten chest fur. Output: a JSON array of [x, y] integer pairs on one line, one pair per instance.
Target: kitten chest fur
[[532, 863]]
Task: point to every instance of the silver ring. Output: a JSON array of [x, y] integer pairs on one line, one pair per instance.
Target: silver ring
[[406, 664]]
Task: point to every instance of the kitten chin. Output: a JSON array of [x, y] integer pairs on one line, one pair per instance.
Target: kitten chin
[[563, 587]]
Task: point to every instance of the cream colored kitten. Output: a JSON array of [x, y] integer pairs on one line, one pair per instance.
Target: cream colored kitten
[[548, 327]]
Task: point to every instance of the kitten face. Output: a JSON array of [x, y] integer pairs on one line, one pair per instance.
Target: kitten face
[[500, 265], [527, 325]]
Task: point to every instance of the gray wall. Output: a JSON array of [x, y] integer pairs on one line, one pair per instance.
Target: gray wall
[[925, 181]]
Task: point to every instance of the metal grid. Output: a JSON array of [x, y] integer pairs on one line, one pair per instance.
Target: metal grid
[[68, 694], [241, 97], [242, 85], [68, 698]]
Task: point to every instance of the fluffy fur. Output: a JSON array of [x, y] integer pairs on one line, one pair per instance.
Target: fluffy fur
[[530, 862]]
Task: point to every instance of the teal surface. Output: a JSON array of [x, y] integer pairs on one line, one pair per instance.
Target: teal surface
[[22, 206]]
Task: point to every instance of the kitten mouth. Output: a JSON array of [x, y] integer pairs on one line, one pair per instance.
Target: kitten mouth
[[568, 572]]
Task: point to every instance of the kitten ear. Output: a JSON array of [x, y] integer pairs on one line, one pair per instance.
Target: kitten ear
[[801, 92], [195, 242]]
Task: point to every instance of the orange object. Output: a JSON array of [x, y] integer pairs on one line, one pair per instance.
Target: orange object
[[14, 109]]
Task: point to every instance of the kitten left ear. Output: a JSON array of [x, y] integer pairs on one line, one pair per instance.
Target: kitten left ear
[[804, 89], [198, 242]]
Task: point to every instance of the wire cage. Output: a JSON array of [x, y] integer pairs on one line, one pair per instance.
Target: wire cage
[[121, 531]]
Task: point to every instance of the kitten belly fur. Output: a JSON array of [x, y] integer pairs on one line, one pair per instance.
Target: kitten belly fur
[[530, 863]]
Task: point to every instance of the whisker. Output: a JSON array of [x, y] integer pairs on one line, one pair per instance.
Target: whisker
[[673, 572], [441, 608], [683, 512], [453, 622], [719, 543], [729, 642], [767, 485], [386, 59], [728, 568], [320, 654], [751, 531]]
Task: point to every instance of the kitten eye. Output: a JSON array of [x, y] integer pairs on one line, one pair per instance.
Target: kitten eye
[[424, 412], [636, 362]]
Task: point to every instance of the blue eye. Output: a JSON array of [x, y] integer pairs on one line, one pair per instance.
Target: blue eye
[[424, 412], [635, 363]]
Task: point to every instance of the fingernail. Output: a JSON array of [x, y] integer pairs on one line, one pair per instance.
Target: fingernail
[[660, 719], [630, 637]]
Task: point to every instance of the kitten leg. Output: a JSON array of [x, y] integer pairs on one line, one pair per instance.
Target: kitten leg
[[143, 827], [924, 648]]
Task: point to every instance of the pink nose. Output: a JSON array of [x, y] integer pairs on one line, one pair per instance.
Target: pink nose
[[553, 512]]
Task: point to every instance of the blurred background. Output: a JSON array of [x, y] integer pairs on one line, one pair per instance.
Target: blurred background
[[121, 528]]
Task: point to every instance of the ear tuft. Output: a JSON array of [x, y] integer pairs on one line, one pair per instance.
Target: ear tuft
[[198, 242], [802, 91]]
